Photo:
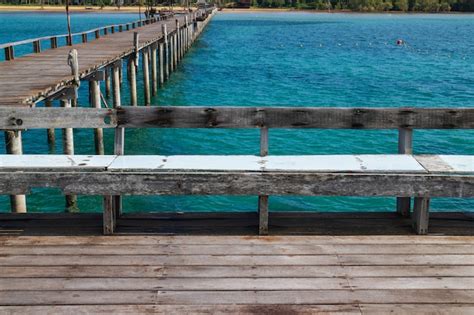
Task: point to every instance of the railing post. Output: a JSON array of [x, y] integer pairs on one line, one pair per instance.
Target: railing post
[[146, 75], [9, 53], [13, 142], [263, 199], [154, 70], [166, 59], [54, 42], [36, 46], [405, 146]]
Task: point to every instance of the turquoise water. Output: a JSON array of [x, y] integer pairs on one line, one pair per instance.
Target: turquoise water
[[292, 59]]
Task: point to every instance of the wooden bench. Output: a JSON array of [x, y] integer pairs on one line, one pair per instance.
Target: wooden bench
[[421, 177], [403, 175]]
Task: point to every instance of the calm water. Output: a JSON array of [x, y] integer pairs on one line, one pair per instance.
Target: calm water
[[291, 59]]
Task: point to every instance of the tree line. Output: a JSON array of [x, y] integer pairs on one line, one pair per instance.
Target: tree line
[[371, 5], [352, 5]]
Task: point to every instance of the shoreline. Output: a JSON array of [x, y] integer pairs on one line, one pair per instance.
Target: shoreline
[[135, 9]]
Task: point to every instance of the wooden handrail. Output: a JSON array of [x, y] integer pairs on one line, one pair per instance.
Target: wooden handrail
[[15, 118], [8, 47]]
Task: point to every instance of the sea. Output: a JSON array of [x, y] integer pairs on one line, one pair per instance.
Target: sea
[[282, 59]]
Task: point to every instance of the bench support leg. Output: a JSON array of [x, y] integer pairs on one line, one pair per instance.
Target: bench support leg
[[403, 206], [263, 215], [421, 215], [109, 216]]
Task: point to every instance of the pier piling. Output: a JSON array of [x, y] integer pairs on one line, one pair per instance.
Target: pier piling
[[146, 76], [14, 145], [154, 70], [68, 149]]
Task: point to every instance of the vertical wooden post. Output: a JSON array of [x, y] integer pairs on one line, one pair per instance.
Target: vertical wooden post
[[146, 75], [162, 63], [116, 83], [109, 218], [96, 103], [405, 146], [14, 145], [50, 131], [118, 142], [132, 70], [154, 70], [421, 215], [171, 53], [175, 48], [107, 82], [166, 51], [177, 42], [263, 199], [36, 46], [68, 149]]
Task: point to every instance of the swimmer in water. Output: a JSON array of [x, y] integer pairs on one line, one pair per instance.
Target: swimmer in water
[[400, 42]]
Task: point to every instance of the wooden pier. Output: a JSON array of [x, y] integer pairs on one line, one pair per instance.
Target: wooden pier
[[132, 274], [173, 263]]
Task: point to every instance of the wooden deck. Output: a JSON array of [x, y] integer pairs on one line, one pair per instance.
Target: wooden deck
[[165, 274], [25, 80]]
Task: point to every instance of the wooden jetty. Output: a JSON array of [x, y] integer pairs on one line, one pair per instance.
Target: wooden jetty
[[342, 263], [132, 274]]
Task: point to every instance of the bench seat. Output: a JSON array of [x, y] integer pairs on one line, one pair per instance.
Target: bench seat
[[367, 163], [417, 176]]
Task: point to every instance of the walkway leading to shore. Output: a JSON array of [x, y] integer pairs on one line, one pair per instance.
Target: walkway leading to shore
[[37, 76]]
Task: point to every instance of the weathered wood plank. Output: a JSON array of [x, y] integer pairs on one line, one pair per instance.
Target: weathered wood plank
[[239, 249], [238, 260], [120, 240], [243, 183], [237, 284], [235, 297], [31, 118], [147, 271], [297, 117], [193, 309], [246, 117]]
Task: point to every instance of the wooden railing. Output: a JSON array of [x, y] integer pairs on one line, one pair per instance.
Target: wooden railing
[[14, 118], [9, 48]]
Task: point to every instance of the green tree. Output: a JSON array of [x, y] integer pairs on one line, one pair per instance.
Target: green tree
[[401, 5]]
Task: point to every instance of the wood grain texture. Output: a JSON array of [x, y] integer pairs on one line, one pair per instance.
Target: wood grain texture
[[241, 183]]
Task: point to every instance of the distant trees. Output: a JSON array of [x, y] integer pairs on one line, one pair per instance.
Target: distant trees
[[354, 5], [368, 5]]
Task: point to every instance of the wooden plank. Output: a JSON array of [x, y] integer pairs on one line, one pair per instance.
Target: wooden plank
[[238, 260], [29, 118], [147, 271], [239, 249], [237, 284], [243, 183], [187, 309], [235, 297], [447, 163], [55, 162], [297, 117], [248, 309], [233, 240], [240, 117]]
